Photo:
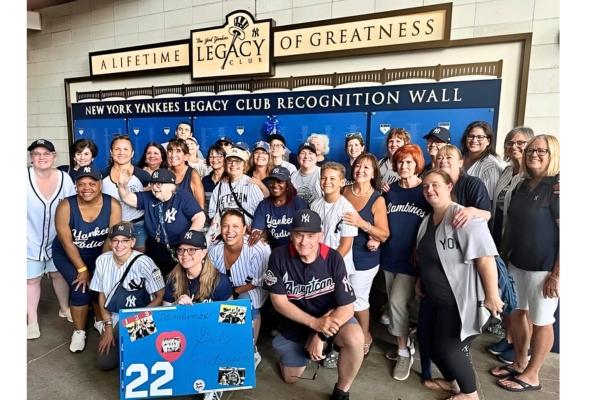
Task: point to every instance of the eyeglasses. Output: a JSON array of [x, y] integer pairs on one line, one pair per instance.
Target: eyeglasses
[[217, 157], [519, 143], [479, 138], [277, 145], [539, 152], [233, 160], [191, 251], [119, 241], [40, 155]]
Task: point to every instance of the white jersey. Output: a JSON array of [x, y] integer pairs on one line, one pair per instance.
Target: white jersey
[[334, 227], [108, 273], [247, 193], [248, 268], [110, 188], [289, 166], [200, 166], [308, 186], [41, 212], [387, 172]]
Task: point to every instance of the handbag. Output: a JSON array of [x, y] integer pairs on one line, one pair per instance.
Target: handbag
[[120, 297]]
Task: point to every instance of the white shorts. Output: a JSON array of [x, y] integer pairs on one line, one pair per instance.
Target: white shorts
[[529, 286], [361, 282], [35, 268]]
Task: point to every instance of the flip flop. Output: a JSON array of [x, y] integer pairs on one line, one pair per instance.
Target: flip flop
[[507, 368], [525, 387], [367, 349]]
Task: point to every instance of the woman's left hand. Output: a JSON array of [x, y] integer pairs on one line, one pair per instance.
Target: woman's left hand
[[550, 289], [373, 244], [494, 304]]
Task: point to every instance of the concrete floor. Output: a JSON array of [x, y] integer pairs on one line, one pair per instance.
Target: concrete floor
[[55, 373]]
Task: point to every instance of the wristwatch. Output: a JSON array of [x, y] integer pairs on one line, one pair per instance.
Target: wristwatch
[[322, 336]]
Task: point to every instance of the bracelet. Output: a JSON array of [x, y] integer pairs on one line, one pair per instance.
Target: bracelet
[[107, 322], [82, 269], [322, 336]]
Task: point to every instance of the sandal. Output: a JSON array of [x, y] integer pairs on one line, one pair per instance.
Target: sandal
[[367, 349], [508, 372], [525, 387]]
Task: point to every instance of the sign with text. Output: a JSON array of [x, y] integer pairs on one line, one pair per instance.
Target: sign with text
[[184, 350], [241, 47], [380, 30], [140, 59]]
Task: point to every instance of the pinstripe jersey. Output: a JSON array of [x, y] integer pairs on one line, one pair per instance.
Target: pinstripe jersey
[[251, 264], [488, 169], [139, 179], [387, 173], [333, 226], [108, 274], [287, 165], [248, 194], [41, 212]]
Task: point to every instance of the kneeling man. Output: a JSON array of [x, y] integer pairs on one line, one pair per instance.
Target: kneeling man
[[308, 286]]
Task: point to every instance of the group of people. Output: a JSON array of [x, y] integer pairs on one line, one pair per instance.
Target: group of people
[[307, 236]]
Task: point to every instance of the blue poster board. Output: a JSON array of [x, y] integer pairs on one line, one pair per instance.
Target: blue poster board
[[101, 132], [156, 129], [183, 350]]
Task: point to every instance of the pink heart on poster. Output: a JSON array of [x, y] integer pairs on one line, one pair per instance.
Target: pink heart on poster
[[170, 345]]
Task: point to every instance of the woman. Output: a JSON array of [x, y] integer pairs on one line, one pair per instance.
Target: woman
[[82, 224], [396, 138], [274, 215], [47, 187], [514, 144], [306, 180], [458, 274], [110, 268], [243, 264], [237, 190], [532, 248], [321, 143], [216, 160], [371, 221], [355, 146], [480, 158], [187, 178], [121, 155], [153, 158], [277, 151], [195, 279], [260, 165], [406, 208], [84, 152], [194, 160], [168, 214]]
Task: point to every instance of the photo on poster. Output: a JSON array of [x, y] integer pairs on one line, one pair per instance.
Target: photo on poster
[[231, 376], [232, 314], [140, 325]]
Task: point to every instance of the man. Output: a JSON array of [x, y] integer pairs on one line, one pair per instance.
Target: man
[[309, 287], [184, 132], [436, 138]]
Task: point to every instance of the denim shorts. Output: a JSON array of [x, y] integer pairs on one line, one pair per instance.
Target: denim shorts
[[139, 230], [35, 268]]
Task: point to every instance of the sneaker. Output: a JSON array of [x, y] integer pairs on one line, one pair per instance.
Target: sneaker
[[500, 347], [402, 368], [339, 394], [508, 356], [66, 314], [33, 331], [331, 360], [257, 358], [99, 326], [385, 318], [77, 341]]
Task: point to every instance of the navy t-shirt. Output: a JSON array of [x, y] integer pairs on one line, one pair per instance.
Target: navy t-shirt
[[277, 220], [434, 279], [406, 208], [470, 191], [223, 289], [533, 232], [177, 213], [315, 288]]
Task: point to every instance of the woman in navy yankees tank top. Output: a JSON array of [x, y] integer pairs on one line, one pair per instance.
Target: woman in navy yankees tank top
[[187, 178]]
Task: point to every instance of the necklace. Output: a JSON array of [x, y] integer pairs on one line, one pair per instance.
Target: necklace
[[362, 194]]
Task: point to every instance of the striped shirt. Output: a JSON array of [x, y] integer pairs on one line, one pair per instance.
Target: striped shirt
[[308, 186], [108, 274], [333, 226], [247, 193], [287, 165], [248, 268], [41, 212], [488, 169], [139, 179], [387, 172]]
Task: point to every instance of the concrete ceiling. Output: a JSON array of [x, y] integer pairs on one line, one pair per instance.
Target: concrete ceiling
[[34, 5]]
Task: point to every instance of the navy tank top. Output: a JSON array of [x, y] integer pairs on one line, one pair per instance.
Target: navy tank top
[[90, 236], [186, 183], [365, 259]]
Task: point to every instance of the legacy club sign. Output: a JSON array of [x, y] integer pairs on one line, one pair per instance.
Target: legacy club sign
[[241, 47], [245, 47]]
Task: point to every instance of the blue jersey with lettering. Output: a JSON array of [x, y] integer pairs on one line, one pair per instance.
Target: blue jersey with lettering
[[406, 208], [277, 220], [177, 213]]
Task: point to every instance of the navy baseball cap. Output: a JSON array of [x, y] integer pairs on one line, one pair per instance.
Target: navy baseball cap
[[306, 221], [123, 228], [193, 238], [89, 171], [439, 133], [225, 139], [42, 143], [308, 146], [162, 175], [279, 173], [274, 136]]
